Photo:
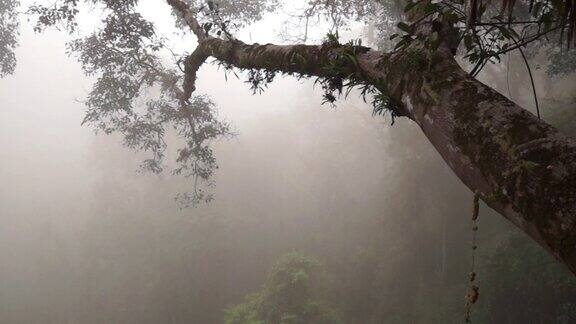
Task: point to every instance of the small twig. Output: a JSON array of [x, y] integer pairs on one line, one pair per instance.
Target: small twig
[[531, 77], [182, 8], [506, 23], [508, 75], [526, 42]]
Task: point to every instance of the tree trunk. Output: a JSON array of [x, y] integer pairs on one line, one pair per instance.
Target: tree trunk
[[522, 167]]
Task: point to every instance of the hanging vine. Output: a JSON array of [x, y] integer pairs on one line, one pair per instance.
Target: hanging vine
[[473, 289]]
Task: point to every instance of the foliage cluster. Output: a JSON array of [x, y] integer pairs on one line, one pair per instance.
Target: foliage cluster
[[8, 36], [484, 31], [289, 296], [139, 96]]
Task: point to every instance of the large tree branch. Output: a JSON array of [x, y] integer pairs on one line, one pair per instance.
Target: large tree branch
[[182, 8], [521, 166]]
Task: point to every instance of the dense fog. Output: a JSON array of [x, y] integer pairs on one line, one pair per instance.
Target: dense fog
[[85, 238]]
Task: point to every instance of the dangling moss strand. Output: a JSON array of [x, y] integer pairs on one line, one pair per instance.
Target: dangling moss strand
[[473, 290]]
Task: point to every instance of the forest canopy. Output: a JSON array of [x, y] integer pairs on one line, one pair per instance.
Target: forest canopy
[[141, 81]]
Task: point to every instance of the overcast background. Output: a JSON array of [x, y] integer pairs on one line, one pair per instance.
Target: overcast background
[[84, 238]]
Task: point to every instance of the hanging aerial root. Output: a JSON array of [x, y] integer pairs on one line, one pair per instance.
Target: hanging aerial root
[[475, 206], [473, 290]]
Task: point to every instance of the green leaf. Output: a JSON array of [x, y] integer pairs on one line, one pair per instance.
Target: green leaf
[[536, 9], [431, 7], [405, 27], [468, 42], [434, 40], [410, 6], [352, 59], [504, 32], [546, 19]]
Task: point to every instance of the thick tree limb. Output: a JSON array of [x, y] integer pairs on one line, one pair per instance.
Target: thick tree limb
[[182, 8], [191, 66], [521, 166]]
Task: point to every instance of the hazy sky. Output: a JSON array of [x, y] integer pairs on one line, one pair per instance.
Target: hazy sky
[[49, 171], [45, 151]]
